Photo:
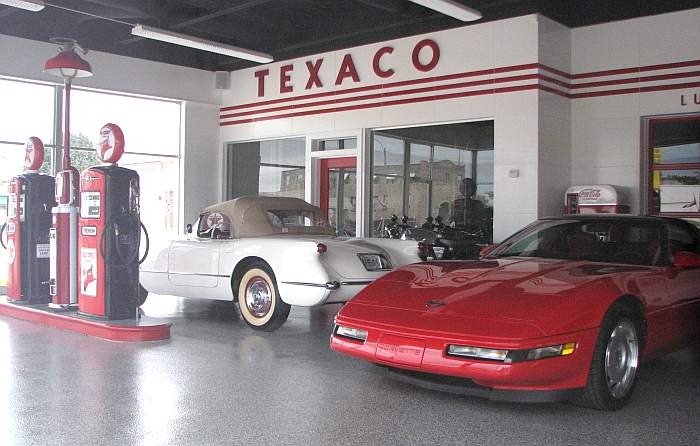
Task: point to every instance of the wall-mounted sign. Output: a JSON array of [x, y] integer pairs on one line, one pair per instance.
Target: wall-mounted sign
[[687, 99], [424, 58]]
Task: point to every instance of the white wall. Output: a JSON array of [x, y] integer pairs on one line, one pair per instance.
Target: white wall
[[484, 46], [554, 124], [200, 161], [606, 130]]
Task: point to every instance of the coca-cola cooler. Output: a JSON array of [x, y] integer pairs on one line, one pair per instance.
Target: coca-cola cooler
[[596, 199]]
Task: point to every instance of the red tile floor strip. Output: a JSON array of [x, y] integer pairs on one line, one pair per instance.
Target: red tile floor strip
[[127, 331]]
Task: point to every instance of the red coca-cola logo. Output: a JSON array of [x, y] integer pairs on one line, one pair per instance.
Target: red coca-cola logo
[[589, 195]]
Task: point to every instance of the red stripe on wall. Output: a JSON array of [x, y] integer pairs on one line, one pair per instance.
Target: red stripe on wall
[[636, 90], [630, 80], [664, 66], [385, 94], [387, 103]]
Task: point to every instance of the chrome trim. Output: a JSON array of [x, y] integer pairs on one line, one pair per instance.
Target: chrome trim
[[328, 285], [357, 282], [199, 274]]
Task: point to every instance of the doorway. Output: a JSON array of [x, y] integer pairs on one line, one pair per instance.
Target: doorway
[[338, 193]]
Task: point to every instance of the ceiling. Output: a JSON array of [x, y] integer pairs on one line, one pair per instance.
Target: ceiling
[[285, 29]]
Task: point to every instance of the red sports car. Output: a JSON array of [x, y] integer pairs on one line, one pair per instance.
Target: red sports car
[[567, 307]]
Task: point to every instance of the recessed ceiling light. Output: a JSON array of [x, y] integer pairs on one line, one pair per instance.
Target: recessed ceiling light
[[24, 4], [451, 8], [163, 35]]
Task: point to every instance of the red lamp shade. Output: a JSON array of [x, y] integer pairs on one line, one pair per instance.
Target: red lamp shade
[[68, 64]]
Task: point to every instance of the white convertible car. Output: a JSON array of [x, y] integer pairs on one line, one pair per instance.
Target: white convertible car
[[269, 253]]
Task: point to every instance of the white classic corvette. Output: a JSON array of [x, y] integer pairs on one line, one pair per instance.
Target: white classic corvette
[[269, 253]]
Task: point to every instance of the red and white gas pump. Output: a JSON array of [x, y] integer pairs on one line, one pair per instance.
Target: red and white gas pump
[[110, 234], [598, 199], [30, 198]]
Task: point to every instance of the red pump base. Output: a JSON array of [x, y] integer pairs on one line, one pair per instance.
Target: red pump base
[[127, 331]]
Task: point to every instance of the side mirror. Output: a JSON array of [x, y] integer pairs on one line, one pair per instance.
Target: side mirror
[[487, 249], [188, 228], [686, 260]]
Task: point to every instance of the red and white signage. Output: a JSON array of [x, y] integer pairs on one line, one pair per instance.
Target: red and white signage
[[33, 154], [424, 58], [111, 145]]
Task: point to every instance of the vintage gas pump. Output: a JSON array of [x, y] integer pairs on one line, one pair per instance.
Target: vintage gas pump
[[30, 200], [110, 234]]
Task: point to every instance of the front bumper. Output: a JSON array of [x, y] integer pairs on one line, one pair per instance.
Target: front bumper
[[424, 354]]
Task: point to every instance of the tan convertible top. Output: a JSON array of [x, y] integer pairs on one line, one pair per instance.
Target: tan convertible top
[[249, 216]]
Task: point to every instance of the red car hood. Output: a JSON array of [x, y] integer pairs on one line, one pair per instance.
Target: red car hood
[[502, 299]]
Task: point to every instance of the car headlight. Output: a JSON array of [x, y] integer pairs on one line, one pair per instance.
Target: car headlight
[[351, 333], [477, 352], [501, 355], [375, 262]]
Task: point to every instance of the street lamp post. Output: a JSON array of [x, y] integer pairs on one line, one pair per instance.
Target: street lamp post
[[63, 283]]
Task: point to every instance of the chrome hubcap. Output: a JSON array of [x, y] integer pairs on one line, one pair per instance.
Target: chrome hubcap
[[258, 297], [621, 359]]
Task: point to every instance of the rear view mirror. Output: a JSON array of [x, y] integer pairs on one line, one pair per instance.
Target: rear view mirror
[[188, 228], [685, 260]]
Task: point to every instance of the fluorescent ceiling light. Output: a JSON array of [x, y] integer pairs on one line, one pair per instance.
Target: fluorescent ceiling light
[[452, 9], [201, 44], [24, 4]]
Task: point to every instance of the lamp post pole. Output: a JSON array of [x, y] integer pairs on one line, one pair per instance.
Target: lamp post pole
[[63, 282]]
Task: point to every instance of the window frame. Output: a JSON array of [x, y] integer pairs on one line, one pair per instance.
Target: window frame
[[651, 166]]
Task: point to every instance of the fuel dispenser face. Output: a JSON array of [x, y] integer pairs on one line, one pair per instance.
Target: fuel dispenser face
[[30, 199], [109, 236]]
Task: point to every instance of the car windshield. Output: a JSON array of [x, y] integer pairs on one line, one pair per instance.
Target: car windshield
[[634, 242], [296, 218]]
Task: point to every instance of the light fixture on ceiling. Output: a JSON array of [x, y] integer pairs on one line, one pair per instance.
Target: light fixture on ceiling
[[149, 32], [24, 4], [451, 8]]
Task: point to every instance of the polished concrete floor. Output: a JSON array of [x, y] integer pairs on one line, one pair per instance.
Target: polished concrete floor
[[218, 382]]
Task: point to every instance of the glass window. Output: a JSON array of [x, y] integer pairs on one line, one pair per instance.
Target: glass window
[[150, 126], [484, 177], [615, 241], [419, 166], [680, 238], [159, 178], [674, 157], [267, 168], [214, 225], [435, 172], [387, 180], [337, 144], [284, 218], [27, 110]]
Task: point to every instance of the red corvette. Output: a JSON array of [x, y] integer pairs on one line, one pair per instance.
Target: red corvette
[[567, 307]]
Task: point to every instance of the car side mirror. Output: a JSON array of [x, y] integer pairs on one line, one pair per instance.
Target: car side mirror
[[487, 249], [686, 260], [188, 228]]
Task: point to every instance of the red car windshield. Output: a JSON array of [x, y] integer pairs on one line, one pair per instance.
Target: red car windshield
[[634, 242]]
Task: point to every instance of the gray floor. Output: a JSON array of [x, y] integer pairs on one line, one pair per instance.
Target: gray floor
[[218, 382]]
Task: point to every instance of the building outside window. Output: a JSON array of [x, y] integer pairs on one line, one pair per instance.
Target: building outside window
[[152, 133], [272, 168], [419, 172]]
